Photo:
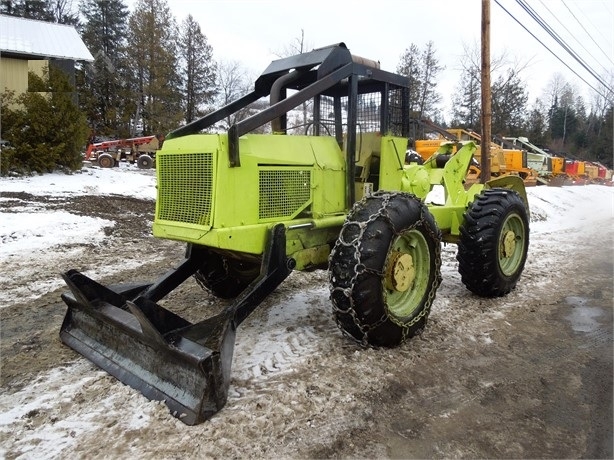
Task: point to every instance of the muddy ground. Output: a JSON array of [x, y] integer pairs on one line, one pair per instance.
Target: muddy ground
[[525, 376]]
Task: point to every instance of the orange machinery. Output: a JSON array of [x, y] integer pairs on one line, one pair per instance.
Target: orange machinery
[[136, 149]]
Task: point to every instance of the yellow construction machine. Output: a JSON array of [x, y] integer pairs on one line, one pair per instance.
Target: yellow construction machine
[[503, 161]]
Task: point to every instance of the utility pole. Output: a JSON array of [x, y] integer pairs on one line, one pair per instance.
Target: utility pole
[[486, 99]]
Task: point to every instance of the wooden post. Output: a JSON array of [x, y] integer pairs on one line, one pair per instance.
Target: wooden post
[[486, 99]]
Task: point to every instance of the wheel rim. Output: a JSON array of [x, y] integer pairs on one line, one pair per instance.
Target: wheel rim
[[105, 162], [407, 274], [511, 244]]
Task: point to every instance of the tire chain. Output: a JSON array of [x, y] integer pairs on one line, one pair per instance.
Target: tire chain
[[359, 268]]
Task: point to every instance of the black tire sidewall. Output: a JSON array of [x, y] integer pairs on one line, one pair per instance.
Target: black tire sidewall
[[479, 263], [106, 158], [144, 162], [358, 295]]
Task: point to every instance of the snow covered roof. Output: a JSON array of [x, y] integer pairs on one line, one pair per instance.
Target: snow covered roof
[[38, 39]]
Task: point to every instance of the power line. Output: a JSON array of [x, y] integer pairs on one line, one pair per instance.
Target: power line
[[573, 35], [551, 52], [559, 40], [587, 33], [605, 5], [610, 17]]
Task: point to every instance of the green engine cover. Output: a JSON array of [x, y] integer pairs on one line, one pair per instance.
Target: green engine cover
[[289, 179]]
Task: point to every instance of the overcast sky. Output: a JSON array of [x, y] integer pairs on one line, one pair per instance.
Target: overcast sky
[[256, 32]]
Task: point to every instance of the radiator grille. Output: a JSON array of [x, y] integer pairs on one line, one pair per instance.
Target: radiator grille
[[185, 185], [283, 194]]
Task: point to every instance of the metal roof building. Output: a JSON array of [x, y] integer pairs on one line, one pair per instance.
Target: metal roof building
[[27, 44], [32, 39]]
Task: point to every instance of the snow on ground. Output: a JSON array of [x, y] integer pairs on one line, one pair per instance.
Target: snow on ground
[[554, 210], [38, 228], [39, 233], [25, 231], [123, 180]]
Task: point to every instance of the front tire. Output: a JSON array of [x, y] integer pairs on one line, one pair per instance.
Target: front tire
[[105, 160], [385, 269], [494, 241]]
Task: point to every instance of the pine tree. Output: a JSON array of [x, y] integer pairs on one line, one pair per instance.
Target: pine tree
[[10, 7], [104, 34], [602, 145], [509, 101], [31, 9], [466, 100], [37, 9], [430, 69], [409, 66], [60, 11], [422, 69], [536, 125], [154, 82], [563, 121], [199, 69]]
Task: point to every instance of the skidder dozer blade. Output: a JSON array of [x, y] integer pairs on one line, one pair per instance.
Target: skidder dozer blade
[[125, 332]]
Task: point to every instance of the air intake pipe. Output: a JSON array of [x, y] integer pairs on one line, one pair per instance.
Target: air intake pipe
[[276, 91]]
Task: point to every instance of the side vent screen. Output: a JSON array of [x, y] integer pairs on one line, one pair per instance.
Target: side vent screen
[[283, 193]]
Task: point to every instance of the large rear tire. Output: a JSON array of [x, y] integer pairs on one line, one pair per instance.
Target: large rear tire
[[385, 269], [224, 277], [494, 241]]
